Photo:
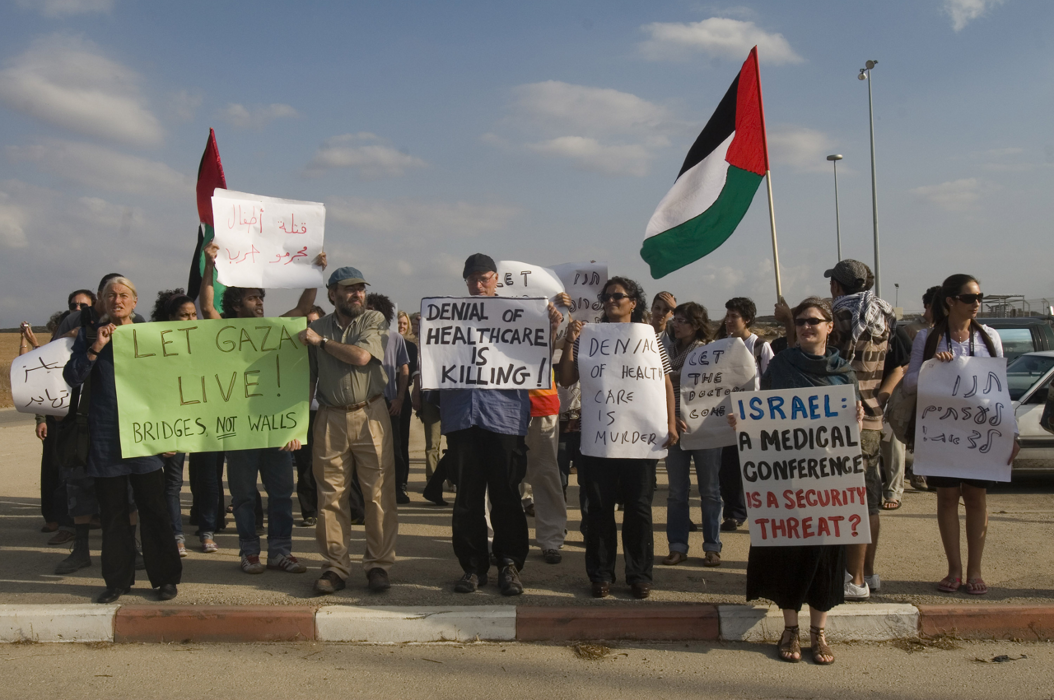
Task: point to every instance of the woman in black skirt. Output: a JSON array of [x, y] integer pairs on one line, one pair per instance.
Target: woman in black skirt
[[790, 576]]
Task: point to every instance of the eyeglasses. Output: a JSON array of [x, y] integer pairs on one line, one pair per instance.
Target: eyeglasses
[[614, 296], [970, 298], [811, 321], [679, 320], [474, 280]]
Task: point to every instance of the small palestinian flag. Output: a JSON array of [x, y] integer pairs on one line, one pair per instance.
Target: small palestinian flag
[[210, 178], [717, 181]]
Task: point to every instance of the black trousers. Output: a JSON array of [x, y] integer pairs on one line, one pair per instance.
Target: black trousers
[[53, 501], [155, 529], [306, 489], [631, 481], [732, 485], [491, 464], [208, 511], [401, 442]]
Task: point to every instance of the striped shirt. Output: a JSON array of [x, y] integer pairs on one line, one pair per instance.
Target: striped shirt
[[869, 362]]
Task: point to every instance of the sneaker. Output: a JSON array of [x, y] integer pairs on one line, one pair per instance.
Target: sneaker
[[284, 562], [182, 549], [329, 583], [470, 583], [62, 537], [552, 556], [251, 564], [509, 581], [873, 582], [210, 547], [855, 592]]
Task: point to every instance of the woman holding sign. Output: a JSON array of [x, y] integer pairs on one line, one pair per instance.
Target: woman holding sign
[[605, 479], [790, 576], [92, 359], [956, 333], [690, 329]]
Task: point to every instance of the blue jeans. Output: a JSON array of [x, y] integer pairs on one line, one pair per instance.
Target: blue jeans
[[707, 475], [173, 485], [275, 469]]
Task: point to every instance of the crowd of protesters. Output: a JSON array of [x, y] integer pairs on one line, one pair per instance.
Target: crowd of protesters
[[509, 454]]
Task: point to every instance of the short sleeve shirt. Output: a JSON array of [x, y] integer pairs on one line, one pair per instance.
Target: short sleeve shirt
[[342, 384]]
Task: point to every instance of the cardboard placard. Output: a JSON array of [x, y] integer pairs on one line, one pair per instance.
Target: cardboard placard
[[37, 385], [709, 376], [803, 473]]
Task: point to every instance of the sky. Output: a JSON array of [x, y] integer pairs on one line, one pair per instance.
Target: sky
[[545, 132]]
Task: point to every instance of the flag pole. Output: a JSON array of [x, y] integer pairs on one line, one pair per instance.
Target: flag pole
[[768, 179]]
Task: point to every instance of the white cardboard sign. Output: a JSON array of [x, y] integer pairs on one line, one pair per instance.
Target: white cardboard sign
[[964, 420], [37, 385], [267, 242], [803, 473], [623, 391], [708, 377], [485, 343], [584, 283]]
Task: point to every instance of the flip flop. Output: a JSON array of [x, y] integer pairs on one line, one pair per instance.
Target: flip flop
[[949, 584], [976, 586], [891, 505]]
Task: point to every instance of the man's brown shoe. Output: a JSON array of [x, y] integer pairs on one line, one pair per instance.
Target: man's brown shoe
[[329, 583], [601, 589], [675, 558], [378, 580], [640, 591]]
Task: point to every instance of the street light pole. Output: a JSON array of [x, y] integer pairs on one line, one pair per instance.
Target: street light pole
[[896, 300], [834, 158], [865, 74]]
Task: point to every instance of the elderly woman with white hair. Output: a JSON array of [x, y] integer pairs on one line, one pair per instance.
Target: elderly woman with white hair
[[91, 367]]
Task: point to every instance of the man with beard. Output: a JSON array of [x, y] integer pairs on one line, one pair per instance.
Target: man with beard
[[352, 435]]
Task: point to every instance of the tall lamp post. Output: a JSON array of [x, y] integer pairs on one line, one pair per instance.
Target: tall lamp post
[[896, 299], [865, 74], [834, 158]]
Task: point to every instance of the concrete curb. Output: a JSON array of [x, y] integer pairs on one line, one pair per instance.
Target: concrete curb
[[395, 625], [416, 624]]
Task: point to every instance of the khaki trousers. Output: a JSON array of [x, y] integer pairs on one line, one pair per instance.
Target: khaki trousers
[[355, 445], [543, 475]]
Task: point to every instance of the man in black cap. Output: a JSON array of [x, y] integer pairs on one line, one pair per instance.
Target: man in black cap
[[485, 431], [353, 437], [865, 325]]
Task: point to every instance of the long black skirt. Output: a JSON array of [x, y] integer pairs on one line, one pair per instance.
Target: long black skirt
[[790, 576]]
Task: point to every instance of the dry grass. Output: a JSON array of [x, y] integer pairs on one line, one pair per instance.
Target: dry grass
[[8, 352]]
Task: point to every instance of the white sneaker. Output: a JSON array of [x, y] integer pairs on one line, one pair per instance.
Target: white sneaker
[[855, 592], [286, 562], [251, 564], [873, 582]]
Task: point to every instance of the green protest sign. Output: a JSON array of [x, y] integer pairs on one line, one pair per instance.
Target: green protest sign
[[206, 386]]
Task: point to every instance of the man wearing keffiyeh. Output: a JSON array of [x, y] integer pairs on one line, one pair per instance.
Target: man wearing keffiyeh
[[864, 325]]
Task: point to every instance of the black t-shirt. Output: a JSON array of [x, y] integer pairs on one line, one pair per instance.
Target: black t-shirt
[[899, 352]]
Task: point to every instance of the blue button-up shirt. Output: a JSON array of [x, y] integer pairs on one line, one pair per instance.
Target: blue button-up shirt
[[504, 411]]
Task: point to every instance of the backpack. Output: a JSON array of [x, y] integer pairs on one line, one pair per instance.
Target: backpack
[[900, 408], [72, 439]]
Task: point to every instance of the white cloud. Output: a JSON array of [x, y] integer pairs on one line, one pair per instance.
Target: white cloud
[[954, 195], [12, 219], [799, 148], [364, 152], [242, 117], [416, 220], [183, 105], [963, 12], [102, 168], [719, 37], [67, 82], [562, 107], [589, 154], [66, 8]]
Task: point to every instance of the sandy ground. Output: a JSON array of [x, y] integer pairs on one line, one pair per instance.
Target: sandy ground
[[1019, 557]]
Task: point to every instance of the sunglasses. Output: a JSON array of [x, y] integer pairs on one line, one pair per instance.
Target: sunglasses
[[614, 296], [809, 321], [970, 298], [79, 307]]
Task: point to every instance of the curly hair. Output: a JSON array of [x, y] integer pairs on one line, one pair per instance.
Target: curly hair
[[379, 302], [745, 307], [168, 303], [232, 299], [634, 291]]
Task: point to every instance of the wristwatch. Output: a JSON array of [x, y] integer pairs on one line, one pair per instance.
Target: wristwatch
[[322, 345]]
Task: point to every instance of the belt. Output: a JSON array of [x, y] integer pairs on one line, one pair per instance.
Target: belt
[[356, 406]]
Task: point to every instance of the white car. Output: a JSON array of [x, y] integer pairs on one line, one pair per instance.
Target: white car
[[1029, 377]]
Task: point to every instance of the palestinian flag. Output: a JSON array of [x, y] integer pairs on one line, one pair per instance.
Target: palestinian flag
[[717, 181], [210, 177]]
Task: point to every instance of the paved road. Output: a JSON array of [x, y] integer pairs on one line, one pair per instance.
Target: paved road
[[9, 417], [290, 671], [1019, 558]]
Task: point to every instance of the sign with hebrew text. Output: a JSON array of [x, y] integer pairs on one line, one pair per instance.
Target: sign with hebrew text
[[210, 386], [964, 419]]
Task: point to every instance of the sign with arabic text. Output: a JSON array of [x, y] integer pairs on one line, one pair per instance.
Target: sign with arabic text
[[37, 385]]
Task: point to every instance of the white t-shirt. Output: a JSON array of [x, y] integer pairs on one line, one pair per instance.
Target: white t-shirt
[[764, 355], [918, 349]]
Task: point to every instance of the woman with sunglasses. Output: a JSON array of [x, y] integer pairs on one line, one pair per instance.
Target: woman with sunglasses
[[630, 481], [790, 576], [956, 332], [690, 328]]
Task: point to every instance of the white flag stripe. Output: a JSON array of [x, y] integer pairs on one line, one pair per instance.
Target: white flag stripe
[[694, 192]]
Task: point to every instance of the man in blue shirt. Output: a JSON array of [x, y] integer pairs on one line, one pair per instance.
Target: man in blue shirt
[[485, 431]]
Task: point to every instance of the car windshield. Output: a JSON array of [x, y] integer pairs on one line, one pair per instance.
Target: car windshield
[[1016, 341], [1025, 371]]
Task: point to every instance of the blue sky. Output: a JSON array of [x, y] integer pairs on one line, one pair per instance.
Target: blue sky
[[544, 132]]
